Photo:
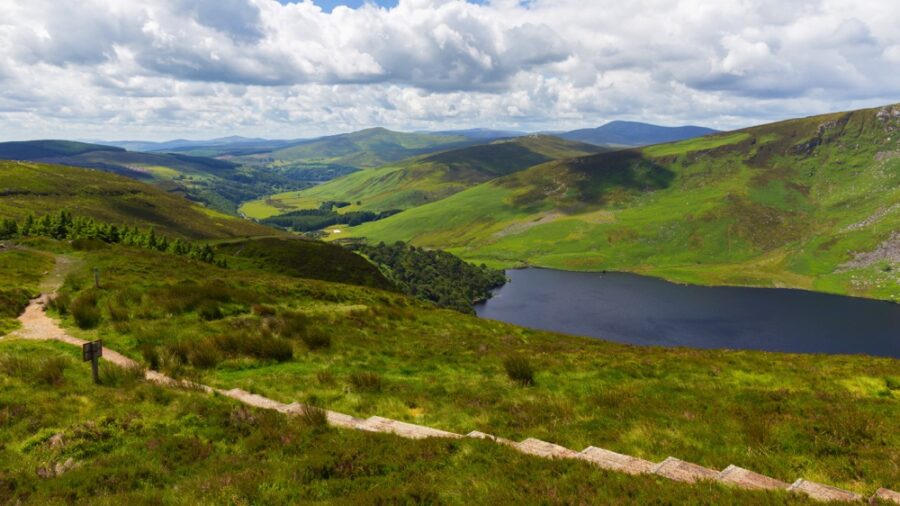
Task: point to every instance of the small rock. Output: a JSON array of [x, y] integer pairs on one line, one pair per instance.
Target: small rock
[[56, 441], [61, 468]]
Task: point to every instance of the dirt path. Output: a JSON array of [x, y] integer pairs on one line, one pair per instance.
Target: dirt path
[[37, 325]]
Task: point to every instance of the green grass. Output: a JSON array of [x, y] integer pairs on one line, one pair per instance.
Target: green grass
[[33, 188], [423, 179], [825, 418], [756, 207], [304, 259], [698, 144], [139, 443]]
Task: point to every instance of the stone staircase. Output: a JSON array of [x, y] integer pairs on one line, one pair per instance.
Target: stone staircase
[[36, 325]]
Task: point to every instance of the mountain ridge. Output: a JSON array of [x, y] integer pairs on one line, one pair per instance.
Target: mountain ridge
[[634, 133]]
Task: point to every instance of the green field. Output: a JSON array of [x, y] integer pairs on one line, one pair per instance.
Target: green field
[[808, 203]]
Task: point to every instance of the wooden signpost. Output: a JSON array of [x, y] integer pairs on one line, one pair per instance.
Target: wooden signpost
[[92, 352]]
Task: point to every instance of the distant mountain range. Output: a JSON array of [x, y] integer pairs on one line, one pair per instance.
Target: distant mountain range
[[232, 145], [612, 134], [227, 171], [634, 134]]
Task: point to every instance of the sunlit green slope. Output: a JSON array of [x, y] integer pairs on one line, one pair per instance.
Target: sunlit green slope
[[808, 203], [425, 179], [367, 148], [37, 188]]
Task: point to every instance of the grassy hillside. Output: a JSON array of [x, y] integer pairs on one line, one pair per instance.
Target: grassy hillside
[[303, 258], [219, 184], [367, 148], [368, 352], [37, 188], [34, 150], [424, 179], [131, 442], [808, 203]]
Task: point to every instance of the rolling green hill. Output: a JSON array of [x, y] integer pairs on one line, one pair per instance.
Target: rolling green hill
[[364, 149], [219, 184], [37, 188], [35, 150], [424, 179], [633, 134], [809, 203]]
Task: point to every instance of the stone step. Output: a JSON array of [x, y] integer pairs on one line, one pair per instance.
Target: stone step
[[544, 449], [822, 492], [481, 435], [345, 421], [253, 399], [616, 461], [294, 408], [679, 470], [744, 478], [887, 495], [403, 429]]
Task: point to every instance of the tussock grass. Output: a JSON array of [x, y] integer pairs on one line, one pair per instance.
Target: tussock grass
[[49, 371], [366, 382], [316, 340], [149, 444], [85, 311], [519, 370], [112, 375], [313, 416]]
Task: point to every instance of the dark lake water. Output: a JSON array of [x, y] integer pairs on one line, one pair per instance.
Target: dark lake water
[[640, 310]]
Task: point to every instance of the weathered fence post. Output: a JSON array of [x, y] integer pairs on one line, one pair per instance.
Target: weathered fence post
[[92, 352]]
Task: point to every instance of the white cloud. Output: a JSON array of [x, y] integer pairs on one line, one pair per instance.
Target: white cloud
[[160, 68]]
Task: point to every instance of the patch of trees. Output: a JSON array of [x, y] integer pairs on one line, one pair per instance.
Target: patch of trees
[[308, 220], [434, 275], [63, 226]]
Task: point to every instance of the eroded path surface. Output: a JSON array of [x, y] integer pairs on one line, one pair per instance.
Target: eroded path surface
[[37, 325]]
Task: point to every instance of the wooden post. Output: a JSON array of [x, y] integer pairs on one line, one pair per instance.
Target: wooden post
[[95, 369], [93, 351], [96, 277]]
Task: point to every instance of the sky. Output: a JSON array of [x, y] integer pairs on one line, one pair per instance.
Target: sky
[[162, 69]]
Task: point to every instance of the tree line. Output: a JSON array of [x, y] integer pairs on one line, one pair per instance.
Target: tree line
[[62, 225], [434, 275], [308, 220]]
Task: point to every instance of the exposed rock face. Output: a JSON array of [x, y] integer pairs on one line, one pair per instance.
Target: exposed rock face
[[888, 251], [889, 116], [888, 112], [881, 213]]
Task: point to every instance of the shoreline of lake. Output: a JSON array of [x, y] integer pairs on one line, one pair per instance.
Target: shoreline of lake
[[636, 309]]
